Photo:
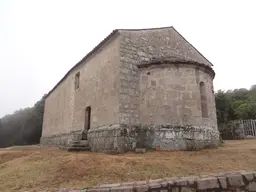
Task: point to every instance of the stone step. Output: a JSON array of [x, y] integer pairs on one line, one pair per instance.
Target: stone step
[[70, 149], [78, 145], [78, 149], [79, 142]]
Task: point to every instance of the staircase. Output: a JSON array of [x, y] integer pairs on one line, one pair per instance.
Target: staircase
[[79, 145]]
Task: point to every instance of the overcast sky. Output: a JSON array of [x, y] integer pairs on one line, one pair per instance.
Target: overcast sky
[[40, 40]]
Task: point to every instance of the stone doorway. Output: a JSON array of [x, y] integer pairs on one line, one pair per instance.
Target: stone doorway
[[87, 122]]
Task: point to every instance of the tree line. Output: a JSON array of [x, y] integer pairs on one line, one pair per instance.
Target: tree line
[[235, 104], [24, 126]]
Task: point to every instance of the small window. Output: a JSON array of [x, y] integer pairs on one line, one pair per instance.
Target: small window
[[77, 80], [204, 107]]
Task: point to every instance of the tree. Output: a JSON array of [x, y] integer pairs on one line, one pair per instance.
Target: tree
[[22, 127], [253, 87], [236, 104], [224, 107], [31, 129]]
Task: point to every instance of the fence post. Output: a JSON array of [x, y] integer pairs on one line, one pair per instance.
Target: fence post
[[242, 125], [254, 131]]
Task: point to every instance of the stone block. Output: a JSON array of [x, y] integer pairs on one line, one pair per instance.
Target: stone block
[[141, 183], [128, 184], [164, 184], [99, 190], [223, 182], [155, 181], [251, 186], [191, 179], [122, 189], [142, 188], [109, 185], [248, 176], [207, 183], [171, 180], [155, 186], [140, 150], [235, 180], [181, 182]]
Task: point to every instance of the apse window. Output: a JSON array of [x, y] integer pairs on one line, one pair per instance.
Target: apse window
[[204, 108], [77, 80]]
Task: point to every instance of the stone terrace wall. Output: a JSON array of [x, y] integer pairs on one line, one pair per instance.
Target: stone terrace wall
[[233, 181]]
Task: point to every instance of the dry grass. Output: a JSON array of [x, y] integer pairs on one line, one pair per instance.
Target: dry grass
[[34, 167]]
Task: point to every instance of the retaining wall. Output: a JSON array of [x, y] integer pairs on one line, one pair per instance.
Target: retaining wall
[[229, 182]]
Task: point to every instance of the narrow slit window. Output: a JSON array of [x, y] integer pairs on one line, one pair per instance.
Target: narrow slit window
[[204, 107], [77, 80]]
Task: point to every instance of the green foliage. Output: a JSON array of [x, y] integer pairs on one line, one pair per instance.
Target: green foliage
[[22, 127], [233, 105], [224, 107]]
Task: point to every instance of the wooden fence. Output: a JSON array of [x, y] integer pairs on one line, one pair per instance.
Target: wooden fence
[[238, 129]]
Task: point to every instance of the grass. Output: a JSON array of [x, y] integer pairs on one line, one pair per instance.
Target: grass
[[35, 168]]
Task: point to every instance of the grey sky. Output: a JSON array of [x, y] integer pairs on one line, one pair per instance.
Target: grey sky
[[40, 40]]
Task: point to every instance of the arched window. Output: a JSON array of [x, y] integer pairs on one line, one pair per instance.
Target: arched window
[[204, 108]]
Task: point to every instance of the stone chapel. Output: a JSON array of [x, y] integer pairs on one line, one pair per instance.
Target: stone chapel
[[138, 88]]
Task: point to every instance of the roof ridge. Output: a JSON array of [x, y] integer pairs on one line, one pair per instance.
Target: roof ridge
[[144, 29]]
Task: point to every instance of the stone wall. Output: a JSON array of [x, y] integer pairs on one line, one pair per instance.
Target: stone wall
[[221, 182], [122, 137], [61, 139], [152, 98], [98, 88], [138, 46], [58, 110], [170, 93], [109, 138]]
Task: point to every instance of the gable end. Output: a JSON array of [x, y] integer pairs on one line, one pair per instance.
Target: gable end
[[94, 50]]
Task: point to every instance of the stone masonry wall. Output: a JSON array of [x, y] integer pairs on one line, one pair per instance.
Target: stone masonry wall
[[122, 137], [170, 93], [61, 139], [58, 110], [147, 102], [99, 88], [220, 182], [137, 46], [170, 137]]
